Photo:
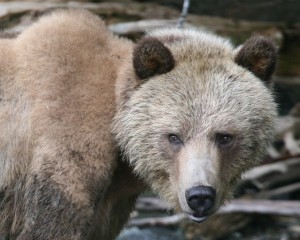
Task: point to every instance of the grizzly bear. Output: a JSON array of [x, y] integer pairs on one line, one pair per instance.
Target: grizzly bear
[[90, 120]]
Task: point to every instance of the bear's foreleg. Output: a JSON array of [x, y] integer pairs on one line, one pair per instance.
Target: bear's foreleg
[[50, 214], [61, 195]]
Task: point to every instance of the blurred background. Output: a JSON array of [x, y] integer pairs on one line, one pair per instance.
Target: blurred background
[[267, 202]]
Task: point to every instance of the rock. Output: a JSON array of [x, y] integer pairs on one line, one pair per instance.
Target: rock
[[153, 233]]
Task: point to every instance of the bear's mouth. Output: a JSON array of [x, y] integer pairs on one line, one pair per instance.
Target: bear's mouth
[[196, 218]]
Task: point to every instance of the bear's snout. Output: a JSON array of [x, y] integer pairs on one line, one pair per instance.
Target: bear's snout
[[200, 199]]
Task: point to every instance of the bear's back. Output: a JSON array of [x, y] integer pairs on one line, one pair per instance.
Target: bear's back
[[57, 79]]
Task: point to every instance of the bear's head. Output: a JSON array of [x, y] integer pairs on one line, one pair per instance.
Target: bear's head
[[193, 114]]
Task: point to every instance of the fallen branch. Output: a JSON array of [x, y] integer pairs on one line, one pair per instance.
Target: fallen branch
[[280, 158], [287, 208], [279, 191], [281, 167], [184, 13], [266, 176], [140, 26]]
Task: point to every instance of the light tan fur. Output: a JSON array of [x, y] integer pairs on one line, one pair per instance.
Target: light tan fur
[[85, 120], [56, 109], [206, 93]]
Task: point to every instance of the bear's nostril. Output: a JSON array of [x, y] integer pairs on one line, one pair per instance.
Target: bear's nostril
[[200, 198]]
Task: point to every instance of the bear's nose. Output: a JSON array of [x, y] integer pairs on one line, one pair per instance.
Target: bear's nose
[[200, 198]]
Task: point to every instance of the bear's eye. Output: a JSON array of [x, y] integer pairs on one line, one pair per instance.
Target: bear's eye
[[224, 139], [174, 139]]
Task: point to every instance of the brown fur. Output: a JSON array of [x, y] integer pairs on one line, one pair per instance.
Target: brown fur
[[57, 154], [151, 57], [82, 135], [258, 55], [207, 93]]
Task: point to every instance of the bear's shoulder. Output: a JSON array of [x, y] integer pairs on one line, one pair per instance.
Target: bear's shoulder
[[66, 45], [67, 32]]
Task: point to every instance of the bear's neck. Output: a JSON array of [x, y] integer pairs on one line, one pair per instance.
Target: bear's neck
[[125, 184]]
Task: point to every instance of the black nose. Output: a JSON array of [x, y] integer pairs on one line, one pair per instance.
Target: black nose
[[200, 198]]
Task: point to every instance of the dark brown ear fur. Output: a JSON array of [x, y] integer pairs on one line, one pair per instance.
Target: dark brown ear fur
[[9, 35], [259, 56], [151, 57]]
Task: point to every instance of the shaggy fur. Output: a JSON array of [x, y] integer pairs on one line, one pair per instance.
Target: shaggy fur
[[208, 92], [66, 84], [58, 159], [161, 60], [258, 55]]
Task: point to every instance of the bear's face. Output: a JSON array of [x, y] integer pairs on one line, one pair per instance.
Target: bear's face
[[194, 115]]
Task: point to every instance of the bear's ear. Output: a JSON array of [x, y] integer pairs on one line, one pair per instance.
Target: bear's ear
[[151, 57], [258, 55]]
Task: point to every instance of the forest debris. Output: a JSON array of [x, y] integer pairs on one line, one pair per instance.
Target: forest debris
[[279, 191], [140, 26], [12, 13], [287, 208], [239, 205], [266, 176], [184, 13], [150, 204], [287, 127], [154, 221]]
